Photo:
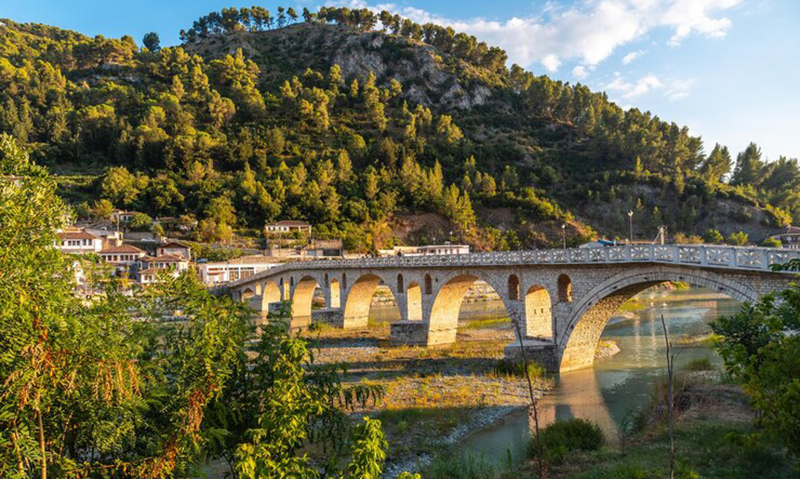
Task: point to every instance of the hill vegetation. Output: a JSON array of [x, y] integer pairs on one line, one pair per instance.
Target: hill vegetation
[[356, 122]]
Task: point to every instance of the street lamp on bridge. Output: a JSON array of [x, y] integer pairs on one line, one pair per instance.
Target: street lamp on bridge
[[564, 234], [630, 221]]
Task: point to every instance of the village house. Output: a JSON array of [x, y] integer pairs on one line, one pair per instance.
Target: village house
[[427, 250], [175, 248], [76, 241], [287, 227], [225, 271], [121, 217], [123, 258], [790, 238], [149, 267]]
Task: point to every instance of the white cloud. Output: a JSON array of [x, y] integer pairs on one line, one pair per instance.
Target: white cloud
[[673, 90], [679, 89], [551, 63], [588, 31], [579, 71], [631, 57], [630, 90]]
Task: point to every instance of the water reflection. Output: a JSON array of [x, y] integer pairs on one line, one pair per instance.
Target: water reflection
[[616, 387]]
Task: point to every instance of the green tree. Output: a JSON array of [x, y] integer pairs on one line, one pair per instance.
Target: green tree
[[748, 166], [713, 237], [762, 353], [739, 238], [151, 41], [717, 165], [140, 222]]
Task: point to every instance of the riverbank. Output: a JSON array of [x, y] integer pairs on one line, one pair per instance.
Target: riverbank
[[713, 421], [712, 440], [433, 397]]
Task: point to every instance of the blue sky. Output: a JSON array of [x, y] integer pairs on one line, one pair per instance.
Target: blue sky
[[729, 69]]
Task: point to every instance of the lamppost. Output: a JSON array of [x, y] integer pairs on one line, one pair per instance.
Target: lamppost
[[630, 218], [564, 234]]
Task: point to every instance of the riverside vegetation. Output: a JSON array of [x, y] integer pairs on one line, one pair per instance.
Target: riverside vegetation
[[361, 123], [155, 384]]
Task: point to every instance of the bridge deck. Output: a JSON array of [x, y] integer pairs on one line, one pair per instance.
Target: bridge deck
[[725, 257]]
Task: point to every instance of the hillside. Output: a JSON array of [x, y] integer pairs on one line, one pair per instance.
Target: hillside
[[364, 132]]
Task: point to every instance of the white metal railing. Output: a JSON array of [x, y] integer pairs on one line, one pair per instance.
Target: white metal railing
[[728, 257]]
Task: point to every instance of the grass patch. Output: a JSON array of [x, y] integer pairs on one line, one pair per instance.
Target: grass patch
[[699, 364], [460, 466], [705, 449], [485, 323], [508, 368], [632, 305]]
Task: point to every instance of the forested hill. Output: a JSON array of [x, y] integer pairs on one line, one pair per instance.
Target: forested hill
[[375, 129]]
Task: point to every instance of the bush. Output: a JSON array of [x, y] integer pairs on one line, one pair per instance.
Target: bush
[[505, 367], [700, 364], [738, 239], [563, 437], [772, 243]]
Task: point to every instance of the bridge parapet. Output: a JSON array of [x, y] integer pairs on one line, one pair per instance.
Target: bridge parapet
[[712, 256]]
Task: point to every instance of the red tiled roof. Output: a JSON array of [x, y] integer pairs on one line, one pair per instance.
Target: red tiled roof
[[76, 235], [124, 248]]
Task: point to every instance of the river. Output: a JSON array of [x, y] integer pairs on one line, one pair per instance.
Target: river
[[616, 387]]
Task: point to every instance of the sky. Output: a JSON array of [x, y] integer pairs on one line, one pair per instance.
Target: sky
[[728, 69]]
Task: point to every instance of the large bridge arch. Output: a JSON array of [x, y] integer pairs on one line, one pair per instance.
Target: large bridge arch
[[578, 336], [303, 297], [358, 300], [448, 296]]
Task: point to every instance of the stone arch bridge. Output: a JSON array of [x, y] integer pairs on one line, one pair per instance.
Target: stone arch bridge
[[562, 298]]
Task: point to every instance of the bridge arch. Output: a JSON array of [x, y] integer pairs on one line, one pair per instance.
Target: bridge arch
[[414, 302], [270, 293], [247, 294], [303, 297], [538, 313], [446, 306], [335, 293], [578, 337], [564, 288], [359, 299]]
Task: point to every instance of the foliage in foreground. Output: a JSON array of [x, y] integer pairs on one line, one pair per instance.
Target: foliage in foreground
[[761, 350], [153, 384], [564, 437]]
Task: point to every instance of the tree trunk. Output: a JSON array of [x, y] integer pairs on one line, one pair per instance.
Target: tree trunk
[[540, 468], [42, 448], [670, 399]]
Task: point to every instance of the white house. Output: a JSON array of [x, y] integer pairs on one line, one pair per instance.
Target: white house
[[789, 238], [443, 249], [148, 267], [175, 248], [287, 227], [79, 241], [122, 258], [225, 271]]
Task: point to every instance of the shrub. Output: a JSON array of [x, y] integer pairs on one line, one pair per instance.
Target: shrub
[[738, 239], [563, 437], [699, 364], [772, 243]]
